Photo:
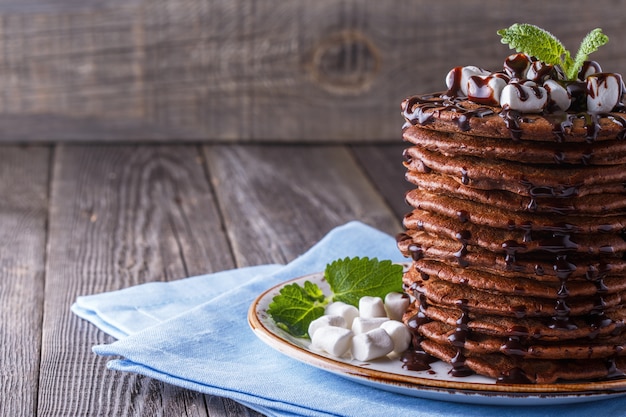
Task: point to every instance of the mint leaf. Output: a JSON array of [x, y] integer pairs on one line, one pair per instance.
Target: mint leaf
[[594, 40], [353, 278], [295, 307], [314, 292], [534, 41], [541, 44]]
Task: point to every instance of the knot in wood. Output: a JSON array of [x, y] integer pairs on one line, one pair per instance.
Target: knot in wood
[[345, 62]]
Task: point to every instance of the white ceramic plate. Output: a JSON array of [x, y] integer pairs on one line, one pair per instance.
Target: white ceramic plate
[[388, 374]]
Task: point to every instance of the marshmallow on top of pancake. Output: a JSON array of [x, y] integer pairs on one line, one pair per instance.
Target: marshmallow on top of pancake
[[530, 86]]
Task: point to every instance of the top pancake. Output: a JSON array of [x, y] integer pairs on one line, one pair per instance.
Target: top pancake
[[459, 115]]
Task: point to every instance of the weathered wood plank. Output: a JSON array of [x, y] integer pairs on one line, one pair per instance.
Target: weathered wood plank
[[23, 218], [280, 200], [120, 216], [245, 70], [383, 165]]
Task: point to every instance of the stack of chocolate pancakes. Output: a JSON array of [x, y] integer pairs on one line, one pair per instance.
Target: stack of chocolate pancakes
[[517, 236]]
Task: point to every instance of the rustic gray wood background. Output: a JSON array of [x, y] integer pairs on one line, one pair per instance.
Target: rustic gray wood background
[[252, 70]]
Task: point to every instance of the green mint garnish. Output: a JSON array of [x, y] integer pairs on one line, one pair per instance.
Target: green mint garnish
[[351, 279], [591, 43], [295, 307], [534, 41]]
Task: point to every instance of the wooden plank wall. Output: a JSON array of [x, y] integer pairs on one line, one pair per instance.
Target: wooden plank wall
[[252, 70]]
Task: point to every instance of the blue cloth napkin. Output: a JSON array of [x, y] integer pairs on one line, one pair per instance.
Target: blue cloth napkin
[[194, 333]]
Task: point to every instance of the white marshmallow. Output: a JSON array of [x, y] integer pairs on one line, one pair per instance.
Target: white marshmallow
[[538, 71], [326, 320], [331, 339], [485, 89], [371, 345], [603, 91], [371, 307], [452, 76], [399, 333], [589, 67], [516, 66], [526, 97], [365, 324], [464, 73], [558, 94], [347, 311], [396, 304]]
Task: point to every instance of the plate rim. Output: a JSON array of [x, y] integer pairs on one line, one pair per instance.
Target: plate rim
[[417, 383]]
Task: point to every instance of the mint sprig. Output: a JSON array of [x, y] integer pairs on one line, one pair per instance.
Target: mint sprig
[[541, 44], [295, 306]]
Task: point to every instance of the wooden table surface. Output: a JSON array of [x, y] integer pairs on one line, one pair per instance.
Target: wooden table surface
[[79, 219]]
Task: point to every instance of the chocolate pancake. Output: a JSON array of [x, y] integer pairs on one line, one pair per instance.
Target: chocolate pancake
[[509, 369], [446, 294], [492, 216], [419, 244], [516, 285], [560, 238], [611, 323], [525, 348], [599, 204], [458, 115], [530, 181], [534, 152]]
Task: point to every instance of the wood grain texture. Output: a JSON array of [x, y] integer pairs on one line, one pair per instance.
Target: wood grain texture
[[120, 216], [245, 70], [23, 218], [383, 165], [280, 200]]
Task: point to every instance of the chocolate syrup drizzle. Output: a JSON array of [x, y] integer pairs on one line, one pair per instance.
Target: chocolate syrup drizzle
[[557, 242], [422, 110], [458, 339], [415, 358]]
